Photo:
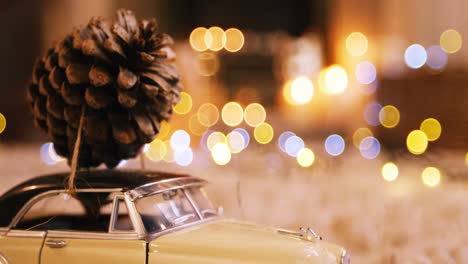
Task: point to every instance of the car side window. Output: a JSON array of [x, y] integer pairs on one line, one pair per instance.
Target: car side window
[[61, 211], [121, 221]]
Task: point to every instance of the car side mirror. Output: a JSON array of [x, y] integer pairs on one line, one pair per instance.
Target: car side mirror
[[220, 210]]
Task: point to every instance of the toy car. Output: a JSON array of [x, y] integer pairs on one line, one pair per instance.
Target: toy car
[[134, 217]]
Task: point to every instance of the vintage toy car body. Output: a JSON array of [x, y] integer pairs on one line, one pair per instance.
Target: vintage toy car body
[[126, 217]]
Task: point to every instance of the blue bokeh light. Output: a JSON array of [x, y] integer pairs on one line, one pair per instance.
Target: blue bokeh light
[[436, 57], [371, 113], [334, 145], [415, 56], [184, 158], [282, 139], [294, 145], [244, 134], [369, 147]]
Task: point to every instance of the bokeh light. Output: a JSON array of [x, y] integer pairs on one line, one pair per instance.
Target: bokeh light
[[417, 142], [48, 154], [232, 114], [207, 64], [184, 105], [3, 123], [356, 44], [236, 142], [180, 140], [432, 128], [234, 40], [451, 41], [390, 171], [164, 129], [369, 147], [221, 154], [197, 39], [333, 80], [215, 38], [436, 58], [215, 138], [334, 145], [169, 157], [208, 114], [282, 139], [122, 164], [389, 116], [254, 114], [360, 134], [371, 113], [293, 145], [298, 91], [415, 56], [183, 158], [305, 158], [466, 159], [263, 133], [195, 127], [431, 176], [157, 150], [366, 72], [245, 134]]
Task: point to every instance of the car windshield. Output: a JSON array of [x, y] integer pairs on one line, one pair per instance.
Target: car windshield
[[202, 202], [166, 210]]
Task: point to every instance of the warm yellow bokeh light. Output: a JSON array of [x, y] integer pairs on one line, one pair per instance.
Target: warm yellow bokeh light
[[451, 41], [431, 176], [466, 159], [333, 80], [207, 64], [197, 39], [298, 91], [432, 128], [195, 127], [389, 116], [356, 44], [215, 38], [234, 40], [263, 133], [184, 105], [236, 142], [390, 171], [221, 154], [208, 114], [232, 114], [164, 129], [157, 150], [305, 158], [215, 138], [254, 114], [360, 134], [417, 142], [3, 123]]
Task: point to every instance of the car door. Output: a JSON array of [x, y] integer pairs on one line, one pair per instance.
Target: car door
[[119, 244], [21, 246]]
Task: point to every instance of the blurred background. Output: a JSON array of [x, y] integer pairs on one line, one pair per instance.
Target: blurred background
[[349, 116]]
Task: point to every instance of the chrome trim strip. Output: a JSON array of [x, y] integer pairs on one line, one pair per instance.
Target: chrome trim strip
[[40, 196], [135, 216], [26, 234], [153, 236], [189, 198], [92, 235], [343, 255], [3, 259]]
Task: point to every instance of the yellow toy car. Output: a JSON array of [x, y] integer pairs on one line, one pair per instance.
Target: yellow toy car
[[134, 217]]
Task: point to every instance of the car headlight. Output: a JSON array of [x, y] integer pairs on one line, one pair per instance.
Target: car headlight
[[345, 258]]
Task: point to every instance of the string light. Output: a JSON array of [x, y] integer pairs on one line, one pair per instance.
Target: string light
[[417, 142], [451, 41], [197, 39], [234, 40], [254, 114], [431, 176], [232, 114], [305, 158], [389, 116], [432, 128], [3, 123], [221, 154], [184, 105], [356, 44], [215, 38], [390, 171], [263, 133]]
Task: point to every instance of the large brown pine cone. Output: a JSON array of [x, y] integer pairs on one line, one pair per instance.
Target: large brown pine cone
[[122, 75]]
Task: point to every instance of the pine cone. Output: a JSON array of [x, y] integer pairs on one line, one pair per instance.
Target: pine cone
[[121, 74]]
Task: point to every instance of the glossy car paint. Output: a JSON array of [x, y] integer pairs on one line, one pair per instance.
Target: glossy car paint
[[21, 249], [233, 242]]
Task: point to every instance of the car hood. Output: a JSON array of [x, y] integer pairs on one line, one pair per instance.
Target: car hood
[[225, 241]]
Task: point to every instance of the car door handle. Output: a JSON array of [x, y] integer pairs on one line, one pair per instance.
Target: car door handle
[[55, 243]]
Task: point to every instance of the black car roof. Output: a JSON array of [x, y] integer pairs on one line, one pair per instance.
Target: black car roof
[[12, 201]]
